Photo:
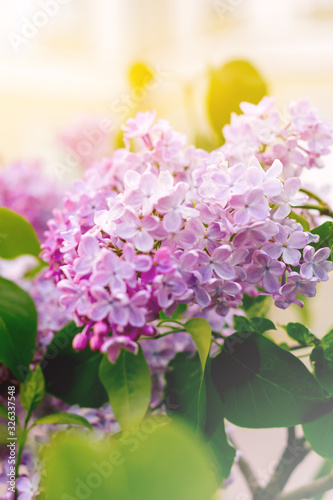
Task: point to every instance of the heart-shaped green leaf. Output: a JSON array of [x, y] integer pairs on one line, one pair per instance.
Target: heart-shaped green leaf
[[63, 419], [17, 236], [200, 331], [128, 384], [32, 391], [301, 334], [319, 433], [18, 328], [262, 385], [155, 462]]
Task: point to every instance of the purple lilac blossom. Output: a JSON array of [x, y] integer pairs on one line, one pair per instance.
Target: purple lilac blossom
[[25, 189], [146, 230], [299, 140]]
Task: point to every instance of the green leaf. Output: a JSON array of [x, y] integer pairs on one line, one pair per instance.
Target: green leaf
[[128, 384], [301, 220], [256, 306], [182, 393], [200, 331], [327, 345], [325, 232], [18, 328], [17, 236], [70, 375], [322, 358], [224, 452], [301, 334], [183, 382], [284, 346], [229, 85], [32, 391], [241, 323], [319, 433], [262, 325], [181, 309], [249, 301], [259, 325], [63, 419], [3, 412], [156, 462], [261, 385], [214, 430]]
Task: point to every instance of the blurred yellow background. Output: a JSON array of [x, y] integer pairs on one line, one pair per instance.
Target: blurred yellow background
[[61, 59]]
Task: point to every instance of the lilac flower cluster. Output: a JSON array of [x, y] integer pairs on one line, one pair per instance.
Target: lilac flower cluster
[[298, 140], [25, 189], [171, 224], [51, 316]]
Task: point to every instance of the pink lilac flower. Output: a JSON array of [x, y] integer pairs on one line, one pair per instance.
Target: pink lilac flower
[[28, 488], [169, 287], [113, 346], [287, 245], [88, 250], [138, 230], [173, 210], [147, 230], [27, 190], [222, 183], [290, 197], [267, 180], [316, 263], [112, 271], [265, 269], [140, 125], [216, 263], [296, 284], [299, 139], [207, 236], [249, 207]]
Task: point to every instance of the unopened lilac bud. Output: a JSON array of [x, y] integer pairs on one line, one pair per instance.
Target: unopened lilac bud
[[149, 330], [96, 342], [80, 342], [100, 328]]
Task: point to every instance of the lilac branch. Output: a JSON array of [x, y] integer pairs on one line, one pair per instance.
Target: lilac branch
[[294, 453]]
